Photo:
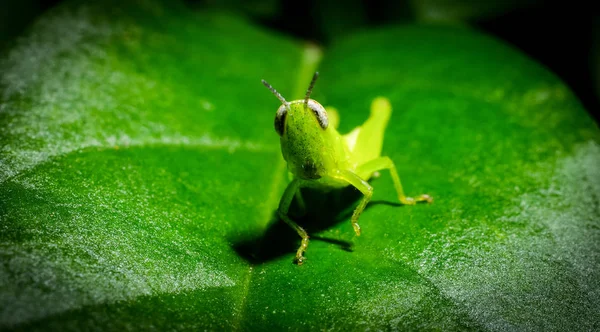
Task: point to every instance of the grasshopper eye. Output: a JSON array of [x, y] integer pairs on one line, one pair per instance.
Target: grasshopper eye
[[280, 119], [319, 112]]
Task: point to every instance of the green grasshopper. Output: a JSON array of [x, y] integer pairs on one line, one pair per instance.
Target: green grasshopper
[[319, 157]]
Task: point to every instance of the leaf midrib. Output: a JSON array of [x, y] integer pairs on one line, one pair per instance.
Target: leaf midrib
[[309, 61]]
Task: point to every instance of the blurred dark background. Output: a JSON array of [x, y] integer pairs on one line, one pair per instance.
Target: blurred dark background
[[564, 36]]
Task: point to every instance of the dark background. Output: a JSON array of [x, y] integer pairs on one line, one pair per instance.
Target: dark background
[[564, 36]]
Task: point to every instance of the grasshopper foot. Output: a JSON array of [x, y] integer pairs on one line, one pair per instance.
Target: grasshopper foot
[[299, 259], [425, 198], [412, 201]]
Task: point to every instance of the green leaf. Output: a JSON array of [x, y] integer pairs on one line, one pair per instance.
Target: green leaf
[[140, 173]]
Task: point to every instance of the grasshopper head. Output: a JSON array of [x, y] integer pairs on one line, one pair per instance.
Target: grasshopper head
[[303, 128], [301, 113]]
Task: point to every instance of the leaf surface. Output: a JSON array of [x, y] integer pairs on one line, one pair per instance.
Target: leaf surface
[[140, 174]]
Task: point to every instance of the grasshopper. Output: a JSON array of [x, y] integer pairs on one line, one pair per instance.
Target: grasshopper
[[319, 157]]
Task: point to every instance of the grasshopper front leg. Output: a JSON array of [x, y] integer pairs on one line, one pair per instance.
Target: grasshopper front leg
[[364, 187], [284, 207]]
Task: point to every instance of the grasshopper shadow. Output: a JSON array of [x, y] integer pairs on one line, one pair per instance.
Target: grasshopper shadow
[[323, 210]]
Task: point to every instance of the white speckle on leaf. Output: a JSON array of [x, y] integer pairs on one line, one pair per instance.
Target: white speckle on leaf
[[207, 105]]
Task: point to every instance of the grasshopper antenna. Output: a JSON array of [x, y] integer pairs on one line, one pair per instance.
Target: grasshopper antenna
[[310, 87], [277, 94]]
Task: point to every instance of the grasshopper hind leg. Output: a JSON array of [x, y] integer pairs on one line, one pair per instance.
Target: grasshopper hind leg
[[366, 141], [367, 149], [382, 163]]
